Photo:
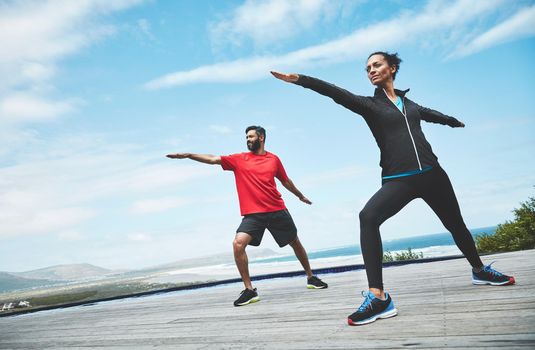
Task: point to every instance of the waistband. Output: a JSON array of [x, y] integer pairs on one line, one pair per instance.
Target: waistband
[[408, 173]]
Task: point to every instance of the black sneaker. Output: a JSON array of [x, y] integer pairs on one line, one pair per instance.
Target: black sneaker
[[315, 283], [371, 309], [490, 276], [247, 296]]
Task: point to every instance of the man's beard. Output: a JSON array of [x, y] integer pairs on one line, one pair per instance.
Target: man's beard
[[253, 146]]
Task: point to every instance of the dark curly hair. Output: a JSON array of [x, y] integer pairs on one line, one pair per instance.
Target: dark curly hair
[[392, 59], [259, 130]]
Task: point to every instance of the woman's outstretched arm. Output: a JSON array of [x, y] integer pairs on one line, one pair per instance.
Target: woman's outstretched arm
[[430, 115], [355, 103]]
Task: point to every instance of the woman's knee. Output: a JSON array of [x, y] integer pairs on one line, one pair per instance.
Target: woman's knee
[[369, 217]]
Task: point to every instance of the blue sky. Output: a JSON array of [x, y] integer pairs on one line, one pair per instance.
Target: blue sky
[[94, 93]]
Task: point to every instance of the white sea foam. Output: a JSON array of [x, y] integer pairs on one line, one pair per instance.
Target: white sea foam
[[227, 271]]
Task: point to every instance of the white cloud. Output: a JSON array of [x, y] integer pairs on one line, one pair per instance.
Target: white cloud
[[24, 107], [140, 237], [220, 129], [266, 22], [334, 176], [33, 71], [48, 30], [57, 190], [144, 30], [13, 139], [70, 235], [145, 27], [520, 25], [408, 27], [34, 37], [27, 212], [132, 176], [231, 100], [157, 205]]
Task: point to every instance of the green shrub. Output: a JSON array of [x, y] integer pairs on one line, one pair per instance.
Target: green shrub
[[387, 257], [402, 256], [518, 234]]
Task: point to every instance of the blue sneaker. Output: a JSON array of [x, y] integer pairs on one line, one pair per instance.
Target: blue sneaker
[[371, 309], [490, 276]]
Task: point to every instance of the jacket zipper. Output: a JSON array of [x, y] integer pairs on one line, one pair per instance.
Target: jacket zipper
[[408, 128]]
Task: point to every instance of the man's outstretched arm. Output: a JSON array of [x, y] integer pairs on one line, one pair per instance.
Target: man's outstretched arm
[[203, 158], [291, 187]]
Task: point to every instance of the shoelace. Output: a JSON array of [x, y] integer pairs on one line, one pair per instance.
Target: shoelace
[[367, 301], [490, 270]]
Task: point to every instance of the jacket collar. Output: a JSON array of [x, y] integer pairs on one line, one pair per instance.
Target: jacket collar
[[379, 92]]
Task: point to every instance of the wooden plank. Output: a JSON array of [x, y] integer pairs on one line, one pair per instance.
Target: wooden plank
[[438, 307]]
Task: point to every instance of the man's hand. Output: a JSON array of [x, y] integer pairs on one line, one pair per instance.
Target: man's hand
[[305, 200], [203, 158], [289, 78], [291, 187], [178, 155]]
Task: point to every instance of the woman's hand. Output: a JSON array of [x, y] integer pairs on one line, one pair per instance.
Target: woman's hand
[[289, 78]]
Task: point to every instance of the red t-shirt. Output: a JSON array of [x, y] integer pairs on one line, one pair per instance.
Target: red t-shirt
[[255, 181]]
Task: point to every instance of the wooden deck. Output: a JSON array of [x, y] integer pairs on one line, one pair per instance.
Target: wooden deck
[[438, 308]]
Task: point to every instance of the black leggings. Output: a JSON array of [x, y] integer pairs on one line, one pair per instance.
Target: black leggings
[[434, 187]]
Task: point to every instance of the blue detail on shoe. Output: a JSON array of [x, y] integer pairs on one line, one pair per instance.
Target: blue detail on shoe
[[367, 308], [490, 276], [368, 297]]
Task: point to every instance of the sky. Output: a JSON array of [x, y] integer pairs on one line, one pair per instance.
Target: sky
[[95, 93]]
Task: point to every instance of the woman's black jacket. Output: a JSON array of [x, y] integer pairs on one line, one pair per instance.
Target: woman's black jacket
[[399, 135]]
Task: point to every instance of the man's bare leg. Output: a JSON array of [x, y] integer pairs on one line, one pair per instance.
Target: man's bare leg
[[239, 244], [301, 254]]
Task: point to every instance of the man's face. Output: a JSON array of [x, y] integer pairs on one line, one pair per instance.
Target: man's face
[[253, 141]]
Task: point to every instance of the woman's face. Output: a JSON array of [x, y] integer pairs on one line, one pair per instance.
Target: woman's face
[[379, 72]]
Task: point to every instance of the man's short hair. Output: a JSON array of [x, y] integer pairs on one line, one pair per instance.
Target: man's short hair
[[259, 130]]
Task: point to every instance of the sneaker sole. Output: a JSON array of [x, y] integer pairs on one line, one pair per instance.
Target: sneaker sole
[[311, 286], [387, 314], [250, 301], [505, 283]]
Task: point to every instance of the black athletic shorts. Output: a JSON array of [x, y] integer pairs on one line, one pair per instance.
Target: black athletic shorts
[[279, 223]]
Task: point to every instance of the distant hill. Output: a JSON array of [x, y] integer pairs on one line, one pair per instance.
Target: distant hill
[[223, 258], [76, 272], [9, 282], [65, 272]]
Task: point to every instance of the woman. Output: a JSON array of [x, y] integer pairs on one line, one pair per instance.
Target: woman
[[409, 170]]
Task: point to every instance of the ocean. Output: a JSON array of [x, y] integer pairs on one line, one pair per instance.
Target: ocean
[[431, 245]]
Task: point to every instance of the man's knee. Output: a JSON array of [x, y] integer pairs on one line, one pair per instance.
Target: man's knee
[[240, 242], [295, 243]]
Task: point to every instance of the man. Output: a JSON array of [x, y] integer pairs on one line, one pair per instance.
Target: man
[[261, 206]]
